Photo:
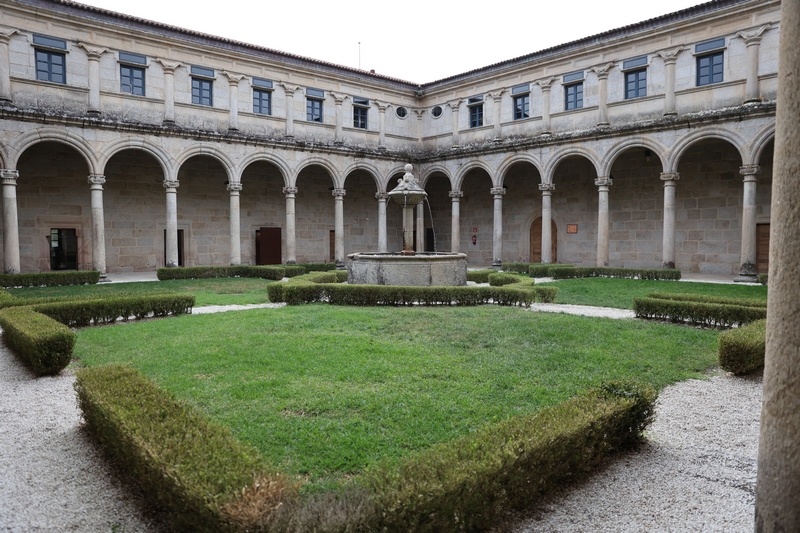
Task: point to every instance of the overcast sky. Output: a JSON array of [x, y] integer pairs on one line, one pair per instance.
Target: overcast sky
[[415, 40]]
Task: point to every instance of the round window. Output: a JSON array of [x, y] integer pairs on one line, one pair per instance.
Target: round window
[[401, 112], [436, 111]]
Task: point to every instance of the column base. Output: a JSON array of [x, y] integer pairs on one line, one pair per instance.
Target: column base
[[104, 279], [671, 114], [746, 278], [292, 262], [93, 113], [753, 101], [340, 265], [497, 264], [669, 264]]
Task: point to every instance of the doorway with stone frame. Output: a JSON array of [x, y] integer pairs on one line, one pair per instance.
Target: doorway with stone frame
[[762, 248], [536, 241]]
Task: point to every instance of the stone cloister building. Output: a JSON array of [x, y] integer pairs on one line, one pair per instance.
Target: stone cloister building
[[127, 145]]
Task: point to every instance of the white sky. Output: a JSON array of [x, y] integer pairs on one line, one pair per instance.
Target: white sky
[[414, 40]]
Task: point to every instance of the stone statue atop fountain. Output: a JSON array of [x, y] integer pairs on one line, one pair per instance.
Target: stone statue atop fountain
[[408, 194]]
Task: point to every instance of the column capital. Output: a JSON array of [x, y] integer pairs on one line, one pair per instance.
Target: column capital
[[5, 36], [497, 95], [289, 191], [382, 196], [605, 182], [93, 52], [669, 178], [338, 98], [670, 56], [454, 104], [96, 181], [456, 194], [602, 71], [234, 186], [750, 171], [497, 191], [233, 79], [9, 177], [289, 89], [418, 111], [382, 106], [169, 66], [547, 187], [545, 83], [338, 193], [753, 37], [171, 184]]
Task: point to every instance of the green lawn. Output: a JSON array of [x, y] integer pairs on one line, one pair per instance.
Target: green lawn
[[323, 391], [612, 292], [217, 291]]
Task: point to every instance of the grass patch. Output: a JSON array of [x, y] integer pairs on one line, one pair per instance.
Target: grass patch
[[610, 292], [324, 392], [218, 291]]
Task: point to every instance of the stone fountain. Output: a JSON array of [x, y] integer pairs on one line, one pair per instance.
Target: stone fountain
[[407, 267]]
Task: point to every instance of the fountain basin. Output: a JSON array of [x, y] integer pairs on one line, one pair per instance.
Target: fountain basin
[[418, 270]]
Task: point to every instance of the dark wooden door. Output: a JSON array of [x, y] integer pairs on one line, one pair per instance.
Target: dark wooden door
[[332, 243], [180, 247], [536, 240], [63, 249], [762, 248], [268, 246]]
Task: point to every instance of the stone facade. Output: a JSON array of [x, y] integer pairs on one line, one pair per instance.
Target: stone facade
[[678, 174]]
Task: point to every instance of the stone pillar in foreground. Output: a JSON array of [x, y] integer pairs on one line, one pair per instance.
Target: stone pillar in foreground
[[602, 220], [497, 234], [10, 222], [96, 182], [455, 228], [338, 249], [382, 197], [778, 482], [547, 224], [171, 186], [749, 270], [291, 232], [668, 247], [236, 225]]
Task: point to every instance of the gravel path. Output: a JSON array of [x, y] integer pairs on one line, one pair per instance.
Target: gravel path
[[696, 472]]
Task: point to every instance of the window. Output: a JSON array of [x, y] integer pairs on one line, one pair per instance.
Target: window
[[522, 101], [475, 105], [202, 86], [401, 112], [635, 84], [436, 112], [314, 105], [709, 66], [573, 93], [262, 96], [360, 111], [131, 73], [50, 60]]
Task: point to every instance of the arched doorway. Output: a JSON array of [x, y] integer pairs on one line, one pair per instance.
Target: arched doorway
[[536, 240]]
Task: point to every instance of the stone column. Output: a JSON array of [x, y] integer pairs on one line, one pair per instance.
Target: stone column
[[171, 187], [778, 478], [749, 270], [338, 100], [5, 66], [497, 240], [10, 222], [289, 91], [668, 247], [421, 227], [382, 197], [96, 182], [234, 189], [454, 106], [169, 68], [291, 232], [753, 41], [547, 224], [338, 251], [545, 85], [602, 220], [382, 107], [602, 82], [670, 57], [93, 54], [497, 98], [233, 87], [455, 228], [419, 112]]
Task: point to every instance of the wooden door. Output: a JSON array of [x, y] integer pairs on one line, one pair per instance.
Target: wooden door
[[536, 241], [180, 247], [268, 246], [332, 242], [762, 248]]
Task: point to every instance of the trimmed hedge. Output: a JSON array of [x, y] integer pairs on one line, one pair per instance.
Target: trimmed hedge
[[78, 314], [274, 272], [499, 279], [697, 313], [741, 350], [468, 483], [196, 471], [43, 344], [763, 278], [319, 267], [542, 270], [50, 279], [480, 276], [564, 272], [518, 268], [683, 297]]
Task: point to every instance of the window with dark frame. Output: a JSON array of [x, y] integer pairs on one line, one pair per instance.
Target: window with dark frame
[[573, 91], [475, 105], [314, 99], [522, 101], [360, 113], [710, 66], [131, 73], [202, 86], [51, 62], [262, 96], [635, 78]]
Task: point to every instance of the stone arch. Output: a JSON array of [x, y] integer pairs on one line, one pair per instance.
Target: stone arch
[[607, 162], [758, 144], [333, 172], [551, 164], [3, 155], [513, 160], [268, 157], [48, 134], [366, 167], [459, 179], [703, 134], [425, 176], [211, 151], [135, 143]]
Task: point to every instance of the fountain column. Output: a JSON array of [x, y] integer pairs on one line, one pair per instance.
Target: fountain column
[[382, 197], [497, 241], [668, 248], [547, 224], [338, 252], [420, 227], [291, 233], [455, 228]]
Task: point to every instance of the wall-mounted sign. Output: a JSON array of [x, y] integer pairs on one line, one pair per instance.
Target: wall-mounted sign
[[572, 228]]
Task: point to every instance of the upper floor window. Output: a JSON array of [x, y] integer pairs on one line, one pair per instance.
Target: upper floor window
[[522, 101], [314, 98], [131, 73], [710, 65], [573, 93], [262, 96], [635, 77], [202, 86], [475, 105], [360, 112], [51, 59]]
